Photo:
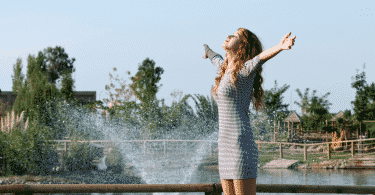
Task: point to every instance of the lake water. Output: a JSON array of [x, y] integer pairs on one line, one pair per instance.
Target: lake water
[[346, 177]]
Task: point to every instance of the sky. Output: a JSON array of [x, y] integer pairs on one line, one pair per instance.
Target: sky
[[333, 40]]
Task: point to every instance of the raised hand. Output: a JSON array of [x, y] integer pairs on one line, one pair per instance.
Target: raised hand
[[208, 53], [206, 48], [287, 43]]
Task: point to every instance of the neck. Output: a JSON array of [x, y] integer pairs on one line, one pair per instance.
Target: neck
[[231, 56]]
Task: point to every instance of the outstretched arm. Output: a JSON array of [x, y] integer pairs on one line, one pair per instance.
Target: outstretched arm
[[285, 44], [270, 53], [215, 58]]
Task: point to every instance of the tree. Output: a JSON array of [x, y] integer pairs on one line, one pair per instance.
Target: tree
[[311, 107], [120, 104], [35, 92], [67, 89], [145, 89], [17, 84], [363, 107], [316, 107], [144, 82], [56, 63], [168, 118], [275, 111], [18, 76], [273, 102]]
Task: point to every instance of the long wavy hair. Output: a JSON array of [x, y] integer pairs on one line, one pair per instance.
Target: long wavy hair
[[250, 47]]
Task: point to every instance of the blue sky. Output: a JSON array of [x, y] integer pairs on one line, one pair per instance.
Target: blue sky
[[333, 40]]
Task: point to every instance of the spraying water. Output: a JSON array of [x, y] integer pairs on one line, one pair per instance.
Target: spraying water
[[153, 167]]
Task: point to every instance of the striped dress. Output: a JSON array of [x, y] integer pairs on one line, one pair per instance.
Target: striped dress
[[238, 153]]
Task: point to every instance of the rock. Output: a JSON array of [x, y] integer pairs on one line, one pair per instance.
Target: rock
[[303, 166]]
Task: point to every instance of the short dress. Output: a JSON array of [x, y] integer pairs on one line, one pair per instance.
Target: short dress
[[238, 153]]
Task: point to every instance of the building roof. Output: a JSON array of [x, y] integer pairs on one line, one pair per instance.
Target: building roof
[[9, 97], [294, 117], [338, 115]]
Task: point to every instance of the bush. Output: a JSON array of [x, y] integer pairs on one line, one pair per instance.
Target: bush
[[27, 152], [80, 157], [16, 147], [115, 160]]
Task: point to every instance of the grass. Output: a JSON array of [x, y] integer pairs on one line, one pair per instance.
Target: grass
[[310, 157]]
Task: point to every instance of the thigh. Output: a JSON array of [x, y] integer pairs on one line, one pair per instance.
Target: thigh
[[245, 186], [227, 185]]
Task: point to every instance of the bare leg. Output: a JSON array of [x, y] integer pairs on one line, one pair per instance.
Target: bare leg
[[245, 186], [228, 187]]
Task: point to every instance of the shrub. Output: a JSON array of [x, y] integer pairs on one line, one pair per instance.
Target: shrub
[[80, 157]]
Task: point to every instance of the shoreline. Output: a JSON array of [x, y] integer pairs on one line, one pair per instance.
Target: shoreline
[[102, 176]]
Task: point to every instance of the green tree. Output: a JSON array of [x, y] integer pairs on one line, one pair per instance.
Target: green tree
[[56, 63], [144, 82], [275, 111], [317, 109], [35, 92], [145, 89], [273, 101], [67, 89], [205, 120], [363, 107], [18, 76], [121, 106]]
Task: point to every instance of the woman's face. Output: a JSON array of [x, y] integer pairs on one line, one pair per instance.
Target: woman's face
[[233, 42]]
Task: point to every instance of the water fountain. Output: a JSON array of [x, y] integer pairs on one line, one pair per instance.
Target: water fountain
[[153, 169]]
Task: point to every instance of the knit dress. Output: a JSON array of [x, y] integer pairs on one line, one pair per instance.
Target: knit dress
[[238, 153]]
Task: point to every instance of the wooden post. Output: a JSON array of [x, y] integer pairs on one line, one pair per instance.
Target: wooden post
[[329, 152], [281, 150], [357, 133], [305, 153], [288, 130], [274, 131], [292, 131], [352, 148], [278, 130]]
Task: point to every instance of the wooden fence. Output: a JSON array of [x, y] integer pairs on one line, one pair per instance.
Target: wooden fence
[[355, 145], [328, 149], [206, 188]]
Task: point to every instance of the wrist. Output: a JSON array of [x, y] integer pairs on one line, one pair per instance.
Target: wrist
[[279, 47]]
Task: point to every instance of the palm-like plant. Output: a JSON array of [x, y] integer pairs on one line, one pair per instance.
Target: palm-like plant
[[206, 109]]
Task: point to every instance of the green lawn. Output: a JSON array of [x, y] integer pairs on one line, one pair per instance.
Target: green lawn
[[310, 157]]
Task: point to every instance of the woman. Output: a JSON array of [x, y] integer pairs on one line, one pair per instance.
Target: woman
[[239, 81]]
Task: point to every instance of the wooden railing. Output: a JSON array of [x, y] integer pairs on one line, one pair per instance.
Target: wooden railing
[[259, 143], [206, 188], [280, 144], [65, 145]]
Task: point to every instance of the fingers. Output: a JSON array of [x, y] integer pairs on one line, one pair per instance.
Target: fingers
[[206, 47], [205, 51], [287, 35]]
